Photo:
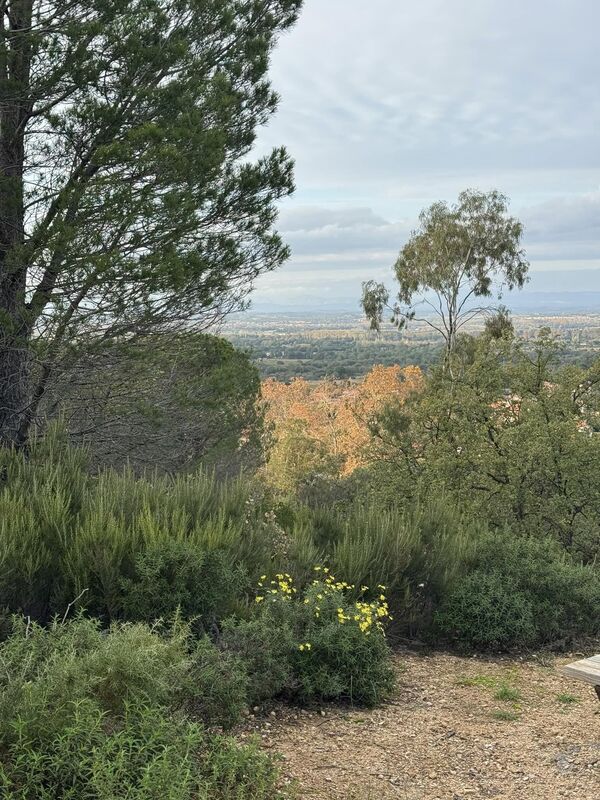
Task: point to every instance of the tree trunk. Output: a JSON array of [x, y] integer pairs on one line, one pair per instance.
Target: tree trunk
[[15, 46], [14, 389]]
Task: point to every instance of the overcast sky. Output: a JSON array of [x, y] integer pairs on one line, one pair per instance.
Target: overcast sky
[[387, 106]]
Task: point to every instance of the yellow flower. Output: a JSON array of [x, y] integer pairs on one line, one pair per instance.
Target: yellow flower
[[259, 598]]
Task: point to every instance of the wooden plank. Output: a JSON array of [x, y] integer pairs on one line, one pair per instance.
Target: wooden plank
[[586, 670], [586, 666]]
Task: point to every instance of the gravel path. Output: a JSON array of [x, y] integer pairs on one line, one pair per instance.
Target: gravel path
[[458, 728]]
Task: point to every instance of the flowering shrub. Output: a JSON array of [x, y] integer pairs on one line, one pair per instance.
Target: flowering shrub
[[320, 594], [363, 612], [329, 638]]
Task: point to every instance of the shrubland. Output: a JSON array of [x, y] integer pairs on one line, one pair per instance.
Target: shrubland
[[475, 498], [144, 613], [103, 714]]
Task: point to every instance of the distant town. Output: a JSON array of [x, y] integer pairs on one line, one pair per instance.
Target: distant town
[[316, 345]]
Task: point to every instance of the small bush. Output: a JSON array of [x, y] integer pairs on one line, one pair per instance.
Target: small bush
[[48, 673], [216, 689], [99, 715], [148, 755], [485, 611], [347, 657], [171, 575], [320, 644], [343, 664], [264, 646], [521, 593]]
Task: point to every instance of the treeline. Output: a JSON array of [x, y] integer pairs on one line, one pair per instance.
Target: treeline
[[315, 358], [453, 490], [295, 355]]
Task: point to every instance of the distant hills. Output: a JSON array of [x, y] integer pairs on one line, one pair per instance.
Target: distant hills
[[548, 292]]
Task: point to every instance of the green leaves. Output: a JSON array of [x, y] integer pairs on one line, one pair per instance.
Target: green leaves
[[459, 253], [144, 209]]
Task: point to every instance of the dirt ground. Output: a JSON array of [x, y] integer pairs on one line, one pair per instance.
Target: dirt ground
[[457, 729]]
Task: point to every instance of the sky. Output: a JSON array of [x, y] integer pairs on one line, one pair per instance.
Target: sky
[[389, 106]]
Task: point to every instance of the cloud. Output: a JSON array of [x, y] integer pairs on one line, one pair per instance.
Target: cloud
[[386, 91], [310, 218], [315, 231], [564, 228], [565, 218], [387, 107]]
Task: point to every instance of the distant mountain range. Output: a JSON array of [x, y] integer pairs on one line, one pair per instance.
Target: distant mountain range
[[558, 291]]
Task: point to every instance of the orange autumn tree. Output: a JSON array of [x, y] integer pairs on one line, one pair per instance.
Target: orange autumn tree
[[380, 387], [323, 426]]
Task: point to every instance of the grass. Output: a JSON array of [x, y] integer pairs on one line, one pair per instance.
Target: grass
[[567, 699], [485, 681], [503, 715], [507, 693]]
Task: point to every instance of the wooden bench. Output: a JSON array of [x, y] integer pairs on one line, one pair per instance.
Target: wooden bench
[[586, 670]]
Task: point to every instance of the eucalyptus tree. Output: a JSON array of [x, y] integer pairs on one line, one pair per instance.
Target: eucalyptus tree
[[459, 253], [130, 206]]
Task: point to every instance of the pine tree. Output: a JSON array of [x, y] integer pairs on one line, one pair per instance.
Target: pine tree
[[129, 205]]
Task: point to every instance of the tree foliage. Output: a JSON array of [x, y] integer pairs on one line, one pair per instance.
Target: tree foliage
[[323, 427], [510, 438], [168, 404], [128, 204], [459, 253]]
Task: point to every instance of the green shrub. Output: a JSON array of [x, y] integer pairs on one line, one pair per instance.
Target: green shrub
[[171, 575], [486, 612], [317, 644], [521, 593], [49, 672], [86, 713], [65, 534], [344, 654], [416, 552], [564, 593], [264, 646], [148, 755], [216, 689]]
